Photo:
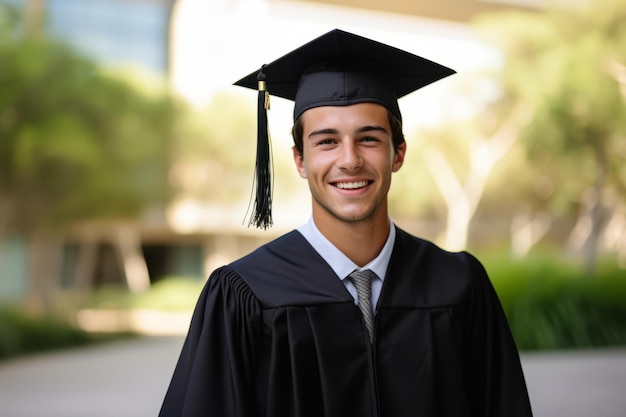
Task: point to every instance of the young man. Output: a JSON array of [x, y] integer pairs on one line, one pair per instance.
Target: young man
[[348, 315]]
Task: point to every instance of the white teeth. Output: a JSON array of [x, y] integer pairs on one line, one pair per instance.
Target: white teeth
[[351, 185]]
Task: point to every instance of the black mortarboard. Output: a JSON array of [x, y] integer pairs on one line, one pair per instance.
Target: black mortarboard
[[336, 69]]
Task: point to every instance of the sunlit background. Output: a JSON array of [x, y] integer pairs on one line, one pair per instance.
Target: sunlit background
[[127, 156]]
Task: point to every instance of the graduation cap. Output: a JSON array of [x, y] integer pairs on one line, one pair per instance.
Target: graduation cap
[[335, 69]]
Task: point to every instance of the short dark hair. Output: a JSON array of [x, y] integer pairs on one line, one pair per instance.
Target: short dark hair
[[397, 136]]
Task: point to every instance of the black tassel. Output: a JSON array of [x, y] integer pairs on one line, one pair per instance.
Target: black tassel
[[262, 210]]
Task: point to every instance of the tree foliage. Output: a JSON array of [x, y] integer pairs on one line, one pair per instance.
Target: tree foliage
[[74, 143], [562, 62]]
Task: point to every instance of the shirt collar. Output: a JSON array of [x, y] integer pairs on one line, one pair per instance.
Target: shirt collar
[[340, 263]]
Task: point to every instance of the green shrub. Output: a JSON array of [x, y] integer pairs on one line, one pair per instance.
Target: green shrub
[[551, 304], [21, 333]]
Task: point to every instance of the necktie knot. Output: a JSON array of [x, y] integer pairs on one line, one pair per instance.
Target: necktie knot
[[362, 280]]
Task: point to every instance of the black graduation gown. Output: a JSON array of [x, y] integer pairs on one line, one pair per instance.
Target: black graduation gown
[[276, 334]]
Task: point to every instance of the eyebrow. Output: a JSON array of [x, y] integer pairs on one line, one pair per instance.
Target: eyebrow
[[363, 129], [371, 129], [323, 132]]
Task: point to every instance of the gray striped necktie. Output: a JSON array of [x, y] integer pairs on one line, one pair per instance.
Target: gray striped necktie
[[362, 280]]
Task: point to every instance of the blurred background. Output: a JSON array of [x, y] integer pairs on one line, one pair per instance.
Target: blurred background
[[127, 156]]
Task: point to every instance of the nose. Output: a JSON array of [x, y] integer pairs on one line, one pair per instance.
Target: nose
[[349, 159]]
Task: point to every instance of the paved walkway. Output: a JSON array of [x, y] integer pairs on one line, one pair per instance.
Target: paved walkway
[[117, 379], [577, 384], [129, 379]]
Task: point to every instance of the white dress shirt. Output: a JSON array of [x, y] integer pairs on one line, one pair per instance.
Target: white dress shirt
[[343, 266]]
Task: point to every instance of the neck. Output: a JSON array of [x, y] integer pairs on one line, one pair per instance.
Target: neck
[[360, 241]]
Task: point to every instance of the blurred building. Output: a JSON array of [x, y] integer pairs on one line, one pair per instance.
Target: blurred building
[[202, 46]]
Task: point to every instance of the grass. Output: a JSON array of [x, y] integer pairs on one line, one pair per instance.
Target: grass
[[169, 294]]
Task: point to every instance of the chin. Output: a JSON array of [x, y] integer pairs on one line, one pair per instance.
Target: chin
[[354, 217]]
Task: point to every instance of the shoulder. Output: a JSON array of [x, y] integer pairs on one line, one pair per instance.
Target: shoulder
[[288, 271], [289, 244], [428, 276], [275, 256], [226, 287], [428, 255]]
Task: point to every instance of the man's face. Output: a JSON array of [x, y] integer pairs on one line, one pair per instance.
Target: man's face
[[348, 159]]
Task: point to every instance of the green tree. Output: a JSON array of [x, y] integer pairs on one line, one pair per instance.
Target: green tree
[[75, 144], [562, 63]]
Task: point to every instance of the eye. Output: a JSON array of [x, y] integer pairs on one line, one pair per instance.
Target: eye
[[327, 141], [369, 139]]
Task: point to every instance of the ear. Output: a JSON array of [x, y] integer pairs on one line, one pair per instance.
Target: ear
[[298, 159], [398, 157]]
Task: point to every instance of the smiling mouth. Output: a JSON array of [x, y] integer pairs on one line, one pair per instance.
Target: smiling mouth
[[353, 185]]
